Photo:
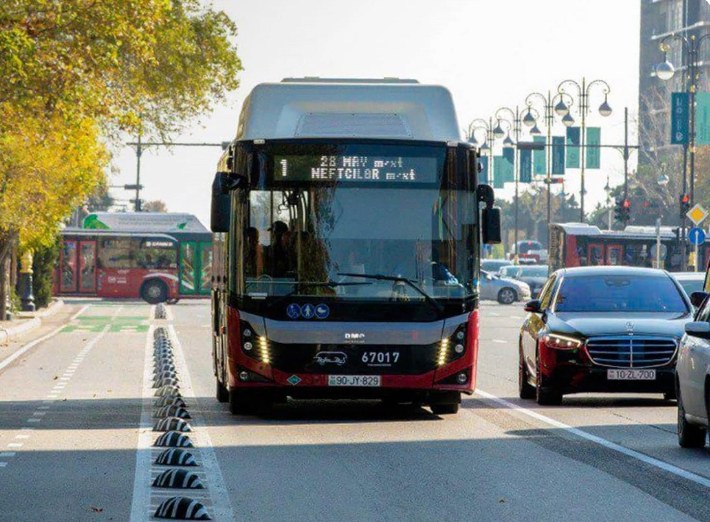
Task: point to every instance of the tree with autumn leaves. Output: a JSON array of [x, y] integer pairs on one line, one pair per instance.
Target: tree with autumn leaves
[[74, 75]]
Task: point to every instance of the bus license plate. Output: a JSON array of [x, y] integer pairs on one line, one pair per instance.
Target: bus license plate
[[631, 375], [354, 380]]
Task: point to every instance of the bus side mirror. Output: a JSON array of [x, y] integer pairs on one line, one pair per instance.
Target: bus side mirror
[[490, 226], [221, 202]]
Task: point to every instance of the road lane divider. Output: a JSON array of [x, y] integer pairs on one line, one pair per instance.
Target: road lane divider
[[659, 464], [191, 466]]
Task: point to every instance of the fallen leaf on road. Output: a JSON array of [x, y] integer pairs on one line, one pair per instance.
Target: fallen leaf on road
[[55, 377], [502, 501], [96, 509]]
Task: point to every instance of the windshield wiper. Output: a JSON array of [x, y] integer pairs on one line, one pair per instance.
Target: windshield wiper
[[317, 284], [396, 279]]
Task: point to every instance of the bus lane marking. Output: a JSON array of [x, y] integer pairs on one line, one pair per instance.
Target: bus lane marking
[[651, 461]]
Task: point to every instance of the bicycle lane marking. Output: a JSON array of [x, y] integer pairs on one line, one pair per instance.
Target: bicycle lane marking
[[19, 353]]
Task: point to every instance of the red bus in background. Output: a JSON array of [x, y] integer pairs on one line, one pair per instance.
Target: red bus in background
[[580, 244], [157, 257]]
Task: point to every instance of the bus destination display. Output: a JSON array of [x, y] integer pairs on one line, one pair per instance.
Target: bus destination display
[[356, 169]]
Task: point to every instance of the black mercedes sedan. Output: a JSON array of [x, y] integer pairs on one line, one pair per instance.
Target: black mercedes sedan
[[602, 329]]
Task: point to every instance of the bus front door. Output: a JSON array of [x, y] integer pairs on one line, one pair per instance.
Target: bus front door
[[195, 267], [77, 267]]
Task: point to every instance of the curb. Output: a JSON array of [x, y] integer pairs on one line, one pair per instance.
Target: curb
[[8, 333], [33, 320]]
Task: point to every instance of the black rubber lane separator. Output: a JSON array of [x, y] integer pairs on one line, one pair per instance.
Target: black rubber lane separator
[[173, 439], [176, 457], [178, 478], [172, 411], [172, 424], [168, 390], [168, 400], [182, 508]]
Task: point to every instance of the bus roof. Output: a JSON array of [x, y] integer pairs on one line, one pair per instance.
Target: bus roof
[[630, 232], [146, 222], [344, 108]]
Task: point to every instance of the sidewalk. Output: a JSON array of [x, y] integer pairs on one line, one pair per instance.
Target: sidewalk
[[25, 322], [31, 326]]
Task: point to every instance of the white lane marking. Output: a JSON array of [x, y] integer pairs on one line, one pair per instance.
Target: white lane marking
[[141, 479], [7, 454], [30, 345], [221, 504], [3, 464], [65, 378], [15, 445], [493, 314], [39, 413], [698, 479], [34, 420], [44, 407], [22, 436], [500, 341]]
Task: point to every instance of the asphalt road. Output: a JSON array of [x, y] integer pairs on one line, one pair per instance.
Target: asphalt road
[[76, 435]]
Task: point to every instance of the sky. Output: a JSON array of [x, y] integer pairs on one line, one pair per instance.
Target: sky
[[488, 53]]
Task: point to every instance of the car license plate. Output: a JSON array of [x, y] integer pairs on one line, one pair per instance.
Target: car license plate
[[354, 380], [631, 375]]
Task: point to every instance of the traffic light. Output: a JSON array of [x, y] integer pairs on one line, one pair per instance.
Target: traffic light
[[622, 211], [684, 205]]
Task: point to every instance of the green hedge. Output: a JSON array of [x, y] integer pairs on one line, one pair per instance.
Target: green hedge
[[43, 263]]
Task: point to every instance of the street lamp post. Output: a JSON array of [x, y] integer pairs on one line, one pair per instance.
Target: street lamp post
[[515, 124], [583, 92], [487, 145], [665, 71], [549, 103]]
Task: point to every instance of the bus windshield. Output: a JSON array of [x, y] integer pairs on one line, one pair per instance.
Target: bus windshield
[[324, 213]]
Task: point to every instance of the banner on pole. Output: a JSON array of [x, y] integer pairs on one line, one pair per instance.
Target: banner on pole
[[508, 165], [573, 142], [483, 175], [594, 135], [503, 168], [679, 118], [702, 118], [539, 163], [558, 155], [525, 166]]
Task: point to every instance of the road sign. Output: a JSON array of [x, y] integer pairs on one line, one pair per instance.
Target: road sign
[[696, 236], [697, 214]]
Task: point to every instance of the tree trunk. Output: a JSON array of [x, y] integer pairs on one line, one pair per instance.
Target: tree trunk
[[7, 242]]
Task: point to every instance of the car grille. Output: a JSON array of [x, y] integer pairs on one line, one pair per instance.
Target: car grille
[[631, 351]]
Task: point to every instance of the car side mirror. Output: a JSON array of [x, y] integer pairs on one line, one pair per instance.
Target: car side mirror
[[698, 329], [697, 298], [489, 277], [533, 306]]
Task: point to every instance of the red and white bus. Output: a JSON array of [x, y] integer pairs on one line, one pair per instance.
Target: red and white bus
[[127, 256], [580, 244], [347, 247]]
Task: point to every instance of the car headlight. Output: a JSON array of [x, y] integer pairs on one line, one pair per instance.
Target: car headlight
[[561, 342]]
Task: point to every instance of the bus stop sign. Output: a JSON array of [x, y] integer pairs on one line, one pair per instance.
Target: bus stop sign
[[696, 236]]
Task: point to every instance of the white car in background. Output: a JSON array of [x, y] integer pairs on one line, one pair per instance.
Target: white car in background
[[502, 289], [693, 377]]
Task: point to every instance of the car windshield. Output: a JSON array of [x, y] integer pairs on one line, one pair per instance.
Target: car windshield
[[619, 293], [534, 271]]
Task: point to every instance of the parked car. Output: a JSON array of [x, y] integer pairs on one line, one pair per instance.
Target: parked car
[[534, 275], [690, 281], [603, 329], [693, 377], [503, 290], [493, 266]]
